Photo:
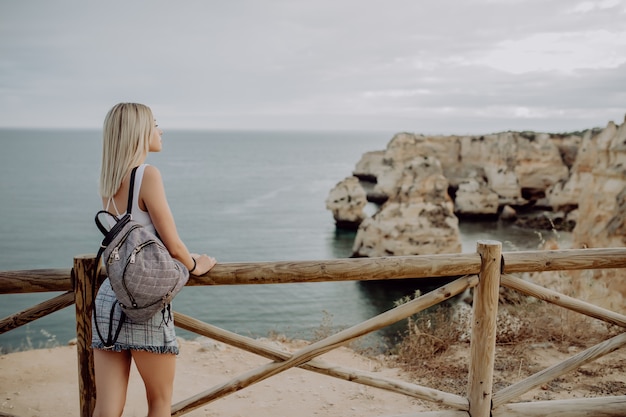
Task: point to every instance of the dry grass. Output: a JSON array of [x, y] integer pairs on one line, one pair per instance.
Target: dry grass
[[435, 347]]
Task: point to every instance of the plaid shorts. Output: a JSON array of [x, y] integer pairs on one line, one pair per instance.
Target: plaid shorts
[[156, 335]]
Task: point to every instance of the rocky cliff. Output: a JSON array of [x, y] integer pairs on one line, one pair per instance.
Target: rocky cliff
[[417, 218], [423, 184], [599, 181]]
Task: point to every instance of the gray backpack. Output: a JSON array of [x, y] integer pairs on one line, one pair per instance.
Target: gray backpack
[[143, 275]]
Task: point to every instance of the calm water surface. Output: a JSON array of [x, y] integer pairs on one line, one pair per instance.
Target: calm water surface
[[239, 196]]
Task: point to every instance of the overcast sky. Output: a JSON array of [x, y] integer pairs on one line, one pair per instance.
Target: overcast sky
[[440, 66]]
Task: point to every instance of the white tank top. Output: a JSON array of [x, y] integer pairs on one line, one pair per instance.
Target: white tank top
[[137, 214]]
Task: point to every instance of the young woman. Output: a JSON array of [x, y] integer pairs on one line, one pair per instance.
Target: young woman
[[129, 134]]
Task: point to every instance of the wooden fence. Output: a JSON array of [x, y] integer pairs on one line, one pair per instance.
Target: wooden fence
[[484, 271]]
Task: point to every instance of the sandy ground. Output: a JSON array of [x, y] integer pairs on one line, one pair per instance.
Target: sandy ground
[[43, 382]]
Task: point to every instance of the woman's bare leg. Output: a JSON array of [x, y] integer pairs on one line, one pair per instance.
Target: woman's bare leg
[[157, 371], [112, 370]]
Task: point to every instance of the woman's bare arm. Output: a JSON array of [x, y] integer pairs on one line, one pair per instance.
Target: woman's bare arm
[[152, 195]]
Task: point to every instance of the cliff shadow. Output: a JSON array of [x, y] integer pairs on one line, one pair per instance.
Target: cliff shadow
[[385, 294]]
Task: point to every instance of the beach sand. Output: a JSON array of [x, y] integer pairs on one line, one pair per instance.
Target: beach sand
[[44, 382]]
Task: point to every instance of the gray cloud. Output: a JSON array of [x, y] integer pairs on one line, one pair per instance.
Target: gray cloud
[[430, 66]]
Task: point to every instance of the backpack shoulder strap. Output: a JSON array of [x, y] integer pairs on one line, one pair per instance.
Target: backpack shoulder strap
[[131, 189]]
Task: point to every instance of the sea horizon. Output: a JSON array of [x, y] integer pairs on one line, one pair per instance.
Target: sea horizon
[[239, 196]]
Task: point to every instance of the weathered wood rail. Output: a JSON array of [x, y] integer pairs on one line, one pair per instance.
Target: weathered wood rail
[[484, 271]]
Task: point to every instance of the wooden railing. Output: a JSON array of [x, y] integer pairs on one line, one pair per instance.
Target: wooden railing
[[484, 271]]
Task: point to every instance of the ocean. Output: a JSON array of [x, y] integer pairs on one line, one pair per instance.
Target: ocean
[[240, 196]]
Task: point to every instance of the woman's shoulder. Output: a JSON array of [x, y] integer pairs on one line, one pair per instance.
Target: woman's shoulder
[[150, 171], [151, 177]]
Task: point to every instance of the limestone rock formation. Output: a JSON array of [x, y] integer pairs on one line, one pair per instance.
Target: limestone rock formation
[[508, 214], [369, 166], [564, 194], [493, 157], [579, 177], [403, 148], [347, 201], [509, 165], [417, 219], [598, 187], [474, 197], [538, 163], [602, 201]]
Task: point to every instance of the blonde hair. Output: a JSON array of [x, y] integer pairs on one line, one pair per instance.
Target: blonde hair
[[125, 143]]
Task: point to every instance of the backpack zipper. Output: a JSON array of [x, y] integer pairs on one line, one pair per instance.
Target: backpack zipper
[[115, 253]]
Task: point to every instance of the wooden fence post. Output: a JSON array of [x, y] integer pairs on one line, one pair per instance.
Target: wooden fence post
[[483, 342], [84, 297]]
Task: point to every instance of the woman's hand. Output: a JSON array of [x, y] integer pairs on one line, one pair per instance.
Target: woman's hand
[[204, 263]]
